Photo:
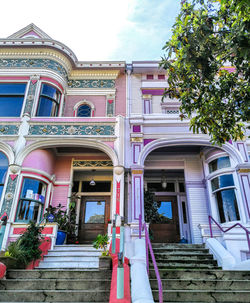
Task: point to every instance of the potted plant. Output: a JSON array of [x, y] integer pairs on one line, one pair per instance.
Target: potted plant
[[105, 260], [25, 249], [56, 214]]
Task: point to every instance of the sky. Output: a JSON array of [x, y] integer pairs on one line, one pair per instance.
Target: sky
[[97, 30]]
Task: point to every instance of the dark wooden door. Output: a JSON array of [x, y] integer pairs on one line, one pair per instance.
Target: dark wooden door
[[167, 231], [94, 216]]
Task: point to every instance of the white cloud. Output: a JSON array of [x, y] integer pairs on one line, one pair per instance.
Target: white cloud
[[94, 29]]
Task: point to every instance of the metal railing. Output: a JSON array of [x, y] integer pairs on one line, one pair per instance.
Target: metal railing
[[149, 247], [210, 219]]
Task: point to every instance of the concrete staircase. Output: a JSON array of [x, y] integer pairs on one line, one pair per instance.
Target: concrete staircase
[[189, 274], [54, 285], [71, 256]]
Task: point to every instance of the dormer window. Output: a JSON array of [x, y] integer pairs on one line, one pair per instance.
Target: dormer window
[[49, 101], [11, 99]]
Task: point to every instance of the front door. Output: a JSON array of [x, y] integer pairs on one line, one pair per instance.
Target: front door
[[94, 216], [166, 229]]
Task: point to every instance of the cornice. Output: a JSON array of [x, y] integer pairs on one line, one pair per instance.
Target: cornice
[[94, 74]]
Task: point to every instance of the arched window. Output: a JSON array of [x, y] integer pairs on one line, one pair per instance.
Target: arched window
[[3, 170], [84, 110]]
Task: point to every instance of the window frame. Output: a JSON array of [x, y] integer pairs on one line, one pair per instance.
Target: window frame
[[84, 102], [40, 96], [6, 173], [20, 198], [24, 95]]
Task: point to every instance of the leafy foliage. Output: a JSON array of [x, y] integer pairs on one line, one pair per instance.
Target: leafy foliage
[[66, 222], [207, 35], [26, 248], [102, 242]]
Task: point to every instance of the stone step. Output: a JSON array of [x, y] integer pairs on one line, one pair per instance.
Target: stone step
[[175, 284], [54, 295], [69, 264], [191, 262], [75, 253], [71, 259], [210, 296], [181, 250], [203, 274], [177, 245], [58, 274], [172, 265], [75, 248], [55, 284], [198, 257]]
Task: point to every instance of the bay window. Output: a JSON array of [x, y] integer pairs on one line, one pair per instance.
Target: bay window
[[11, 99], [49, 101], [3, 170], [31, 201]]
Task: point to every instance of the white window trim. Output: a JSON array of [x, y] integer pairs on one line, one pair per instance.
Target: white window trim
[[90, 104]]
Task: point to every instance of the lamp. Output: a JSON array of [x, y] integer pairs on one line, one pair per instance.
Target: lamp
[[163, 180], [92, 181]]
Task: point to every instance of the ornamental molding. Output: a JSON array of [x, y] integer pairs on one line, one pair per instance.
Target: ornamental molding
[[92, 163], [9, 129], [137, 172], [90, 91], [136, 139], [29, 63], [26, 53], [91, 83], [85, 75], [101, 129], [244, 170]]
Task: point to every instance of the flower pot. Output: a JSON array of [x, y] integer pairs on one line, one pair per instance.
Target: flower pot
[[105, 262], [61, 236]]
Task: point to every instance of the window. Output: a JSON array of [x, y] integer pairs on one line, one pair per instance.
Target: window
[[147, 106], [3, 170], [223, 189], [94, 212], [219, 163], [161, 77], [11, 99], [150, 77], [31, 202], [49, 101], [84, 110]]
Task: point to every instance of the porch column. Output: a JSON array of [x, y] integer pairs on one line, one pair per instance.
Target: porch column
[[243, 171], [137, 194], [118, 191]]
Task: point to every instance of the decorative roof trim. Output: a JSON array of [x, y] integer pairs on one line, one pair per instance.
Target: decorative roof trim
[[27, 29]]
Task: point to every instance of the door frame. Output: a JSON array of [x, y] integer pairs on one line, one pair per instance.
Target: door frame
[[95, 197]]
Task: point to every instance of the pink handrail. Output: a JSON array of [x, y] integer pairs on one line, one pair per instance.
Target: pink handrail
[[226, 230], [149, 246]]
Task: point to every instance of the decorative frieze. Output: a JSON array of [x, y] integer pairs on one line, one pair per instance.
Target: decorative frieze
[[90, 83], [72, 130], [9, 195], [94, 163], [30, 97], [9, 129], [34, 63]]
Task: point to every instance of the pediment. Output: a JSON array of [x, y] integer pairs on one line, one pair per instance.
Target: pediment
[[30, 32]]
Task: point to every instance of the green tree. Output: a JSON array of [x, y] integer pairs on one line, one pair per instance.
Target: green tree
[[207, 36]]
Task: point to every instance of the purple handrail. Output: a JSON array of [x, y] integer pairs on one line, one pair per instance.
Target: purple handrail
[[226, 230], [149, 245]]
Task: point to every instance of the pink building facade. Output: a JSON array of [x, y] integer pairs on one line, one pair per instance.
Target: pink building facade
[[101, 130]]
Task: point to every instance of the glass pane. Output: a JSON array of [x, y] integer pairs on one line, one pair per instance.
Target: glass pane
[[227, 205], [3, 167], [94, 212], [10, 106], [28, 211], [49, 91], [222, 181], [184, 212], [33, 189], [1, 190], [47, 108], [12, 88], [165, 212], [84, 111], [182, 187], [219, 164]]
